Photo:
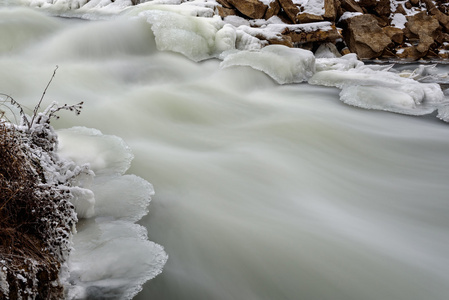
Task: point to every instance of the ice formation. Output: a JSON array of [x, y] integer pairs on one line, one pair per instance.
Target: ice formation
[[112, 257]]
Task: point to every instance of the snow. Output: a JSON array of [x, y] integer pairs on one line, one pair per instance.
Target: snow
[[348, 15], [314, 7], [398, 21], [4, 285]]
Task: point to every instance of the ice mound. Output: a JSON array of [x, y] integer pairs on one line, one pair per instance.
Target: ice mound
[[283, 64], [376, 87], [191, 36], [112, 257]]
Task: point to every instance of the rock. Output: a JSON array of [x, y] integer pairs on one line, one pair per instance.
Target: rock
[[224, 11], [302, 36], [224, 3], [425, 27], [382, 8], [395, 34], [351, 6], [330, 10], [367, 3], [414, 2], [290, 9], [409, 53], [272, 10], [327, 50], [253, 9], [442, 18], [308, 18], [365, 37]]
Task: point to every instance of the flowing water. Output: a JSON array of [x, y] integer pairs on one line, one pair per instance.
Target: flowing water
[[263, 191]]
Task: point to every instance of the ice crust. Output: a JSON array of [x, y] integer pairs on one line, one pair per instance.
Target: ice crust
[[283, 64], [112, 257]]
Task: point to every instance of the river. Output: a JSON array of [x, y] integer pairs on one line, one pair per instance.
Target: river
[[263, 191]]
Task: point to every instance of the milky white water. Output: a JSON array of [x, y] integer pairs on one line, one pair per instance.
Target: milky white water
[[263, 191]]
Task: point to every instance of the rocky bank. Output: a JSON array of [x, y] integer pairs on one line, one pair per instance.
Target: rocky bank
[[385, 29]]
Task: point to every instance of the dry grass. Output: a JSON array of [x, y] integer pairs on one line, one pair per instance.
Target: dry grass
[[23, 249]]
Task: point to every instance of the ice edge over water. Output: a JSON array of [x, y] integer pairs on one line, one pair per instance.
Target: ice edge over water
[[112, 256]]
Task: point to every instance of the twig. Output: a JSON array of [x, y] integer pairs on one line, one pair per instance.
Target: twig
[[36, 108]]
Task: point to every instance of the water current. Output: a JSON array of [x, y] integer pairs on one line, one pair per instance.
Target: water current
[[263, 191]]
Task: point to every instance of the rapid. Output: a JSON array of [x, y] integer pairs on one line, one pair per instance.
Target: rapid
[[262, 190]]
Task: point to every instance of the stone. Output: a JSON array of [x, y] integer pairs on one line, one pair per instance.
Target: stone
[[426, 27], [414, 2], [299, 37], [330, 10], [272, 10], [224, 3], [308, 18], [253, 9], [409, 53], [367, 3], [290, 9], [442, 18], [395, 34], [224, 11], [383, 8], [351, 6], [365, 37]]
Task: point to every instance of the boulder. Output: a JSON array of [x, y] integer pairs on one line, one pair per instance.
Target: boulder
[[290, 9], [272, 10], [308, 18], [300, 36], [365, 37], [409, 53], [426, 28], [330, 10], [253, 9], [224, 11], [395, 34], [383, 8], [442, 18], [351, 6]]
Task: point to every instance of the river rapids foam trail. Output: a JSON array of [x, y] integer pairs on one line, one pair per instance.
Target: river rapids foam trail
[[263, 190]]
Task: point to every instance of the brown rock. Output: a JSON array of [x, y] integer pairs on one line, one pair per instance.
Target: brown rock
[[400, 10], [345, 51], [253, 9], [286, 41], [308, 18], [441, 17], [224, 12], [425, 27], [330, 10], [408, 5], [272, 10], [409, 53], [367, 3], [364, 37], [395, 34], [300, 37], [290, 9], [224, 3], [414, 2], [383, 8], [351, 6]]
